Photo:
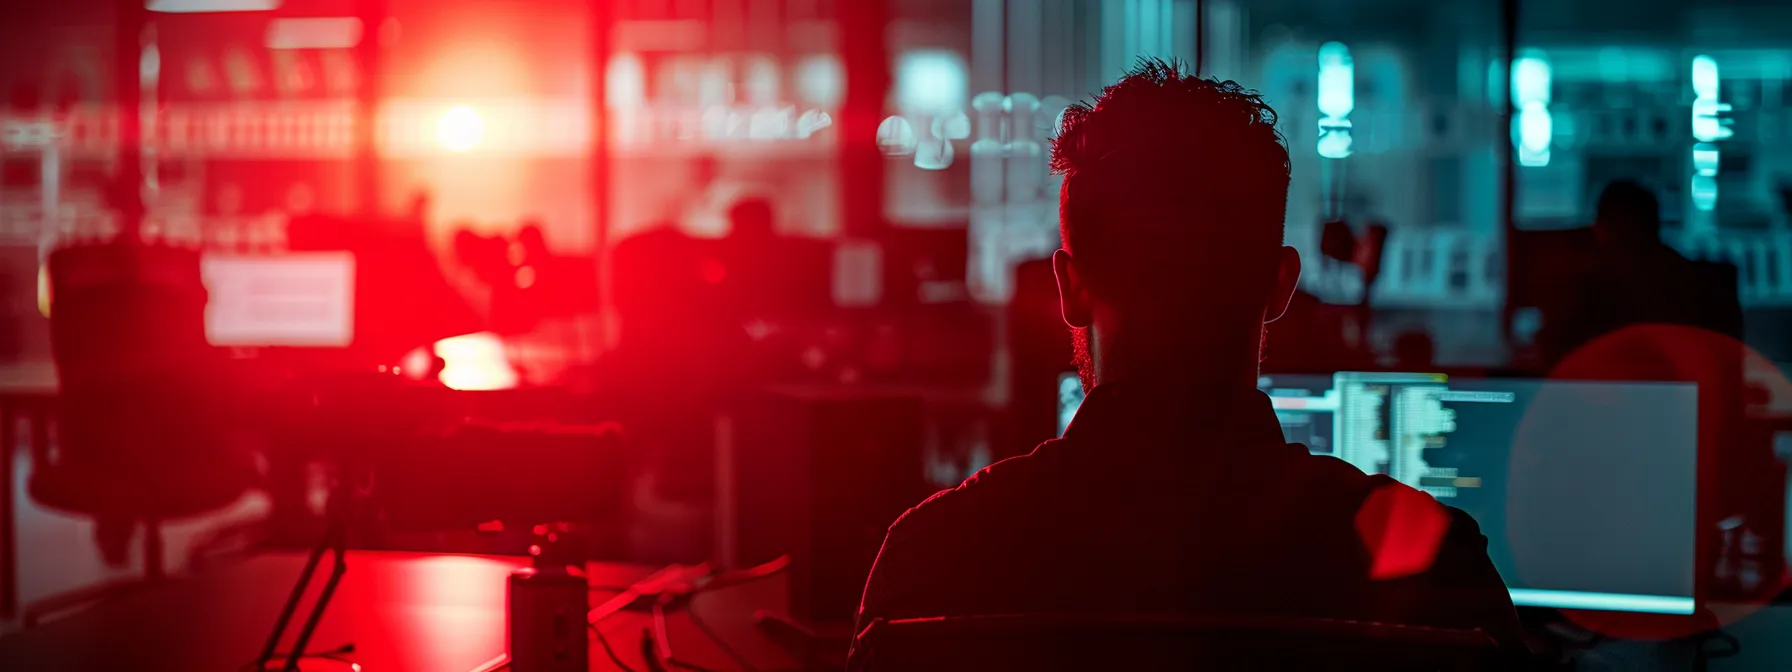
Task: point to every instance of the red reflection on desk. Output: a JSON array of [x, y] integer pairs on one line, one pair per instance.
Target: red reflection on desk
[[454, 609]]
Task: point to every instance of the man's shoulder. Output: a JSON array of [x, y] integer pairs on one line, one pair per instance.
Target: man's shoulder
[[1007, 483], [1379, 505], [1315, 476], [1010, 488], [1347, 480]]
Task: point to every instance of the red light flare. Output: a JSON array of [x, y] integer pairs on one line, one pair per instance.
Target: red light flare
[[1737, 477], [1402, 528], [475, 362]]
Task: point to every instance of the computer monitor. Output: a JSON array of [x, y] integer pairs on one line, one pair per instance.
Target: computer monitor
[[1586, 491], [300, 299]]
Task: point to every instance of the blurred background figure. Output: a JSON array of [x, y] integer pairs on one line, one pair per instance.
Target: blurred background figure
[[1632, 277]]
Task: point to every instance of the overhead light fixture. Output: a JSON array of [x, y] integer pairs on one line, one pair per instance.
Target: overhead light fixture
[[1337, 99], [1535, 129], [930, 80], [1708, 127], [333, 32], [460, 128], [199, 6]]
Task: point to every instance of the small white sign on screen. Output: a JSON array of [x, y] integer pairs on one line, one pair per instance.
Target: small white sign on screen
[[291, 300]]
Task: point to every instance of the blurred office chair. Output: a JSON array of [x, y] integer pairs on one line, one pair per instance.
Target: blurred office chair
[[1146, 642], [142, 434]]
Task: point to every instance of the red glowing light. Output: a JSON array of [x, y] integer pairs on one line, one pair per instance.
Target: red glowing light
[[1402, 528], [714, 272], [475, 362], [460, 128]]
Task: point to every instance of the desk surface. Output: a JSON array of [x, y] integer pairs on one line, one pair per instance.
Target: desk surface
[[402, 611], [445, 613]]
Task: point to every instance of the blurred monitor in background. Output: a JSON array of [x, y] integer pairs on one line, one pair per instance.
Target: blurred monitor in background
[[295, 300]]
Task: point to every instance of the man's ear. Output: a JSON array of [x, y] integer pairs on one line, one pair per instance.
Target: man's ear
[[1287, 279], [1073, 295]]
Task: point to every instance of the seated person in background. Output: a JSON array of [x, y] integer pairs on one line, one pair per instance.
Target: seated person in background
[[1634, 278], [1173, 492]]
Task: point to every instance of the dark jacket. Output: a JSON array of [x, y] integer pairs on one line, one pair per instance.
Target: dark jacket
[[1183, 502]]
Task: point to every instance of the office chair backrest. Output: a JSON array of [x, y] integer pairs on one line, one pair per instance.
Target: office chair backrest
[[1147, 642], [141, 430], [125, 311]]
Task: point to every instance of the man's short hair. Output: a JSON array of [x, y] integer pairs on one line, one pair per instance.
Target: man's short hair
[[1175, 186]]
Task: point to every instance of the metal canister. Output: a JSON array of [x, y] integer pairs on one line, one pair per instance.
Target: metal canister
[[547, 608]]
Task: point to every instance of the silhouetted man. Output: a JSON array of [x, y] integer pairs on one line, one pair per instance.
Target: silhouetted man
[[1634, 278], [1173, 492], [772, 277], [750, 254]]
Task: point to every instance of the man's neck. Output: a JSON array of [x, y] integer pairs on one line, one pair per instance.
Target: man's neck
[[1182, 377], [1193, 368], [1176, 355]]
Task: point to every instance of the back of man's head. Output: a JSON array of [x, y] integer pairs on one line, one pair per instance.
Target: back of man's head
[[1628, 213], [1175, 189]]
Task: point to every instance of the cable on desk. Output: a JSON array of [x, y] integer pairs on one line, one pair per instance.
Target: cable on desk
[[767, 570], [334, 655], [605, 642], [660, 641], [720, 643], [649, 653], [656, 642]]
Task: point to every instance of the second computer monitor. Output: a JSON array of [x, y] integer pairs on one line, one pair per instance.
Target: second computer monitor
[[1586, 491]]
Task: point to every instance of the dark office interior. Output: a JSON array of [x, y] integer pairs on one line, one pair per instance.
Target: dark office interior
[[590, 335]]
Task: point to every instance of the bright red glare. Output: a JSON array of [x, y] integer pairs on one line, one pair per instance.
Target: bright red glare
[[475, 362], [714, 272], [1402, 529], [460, 128]]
